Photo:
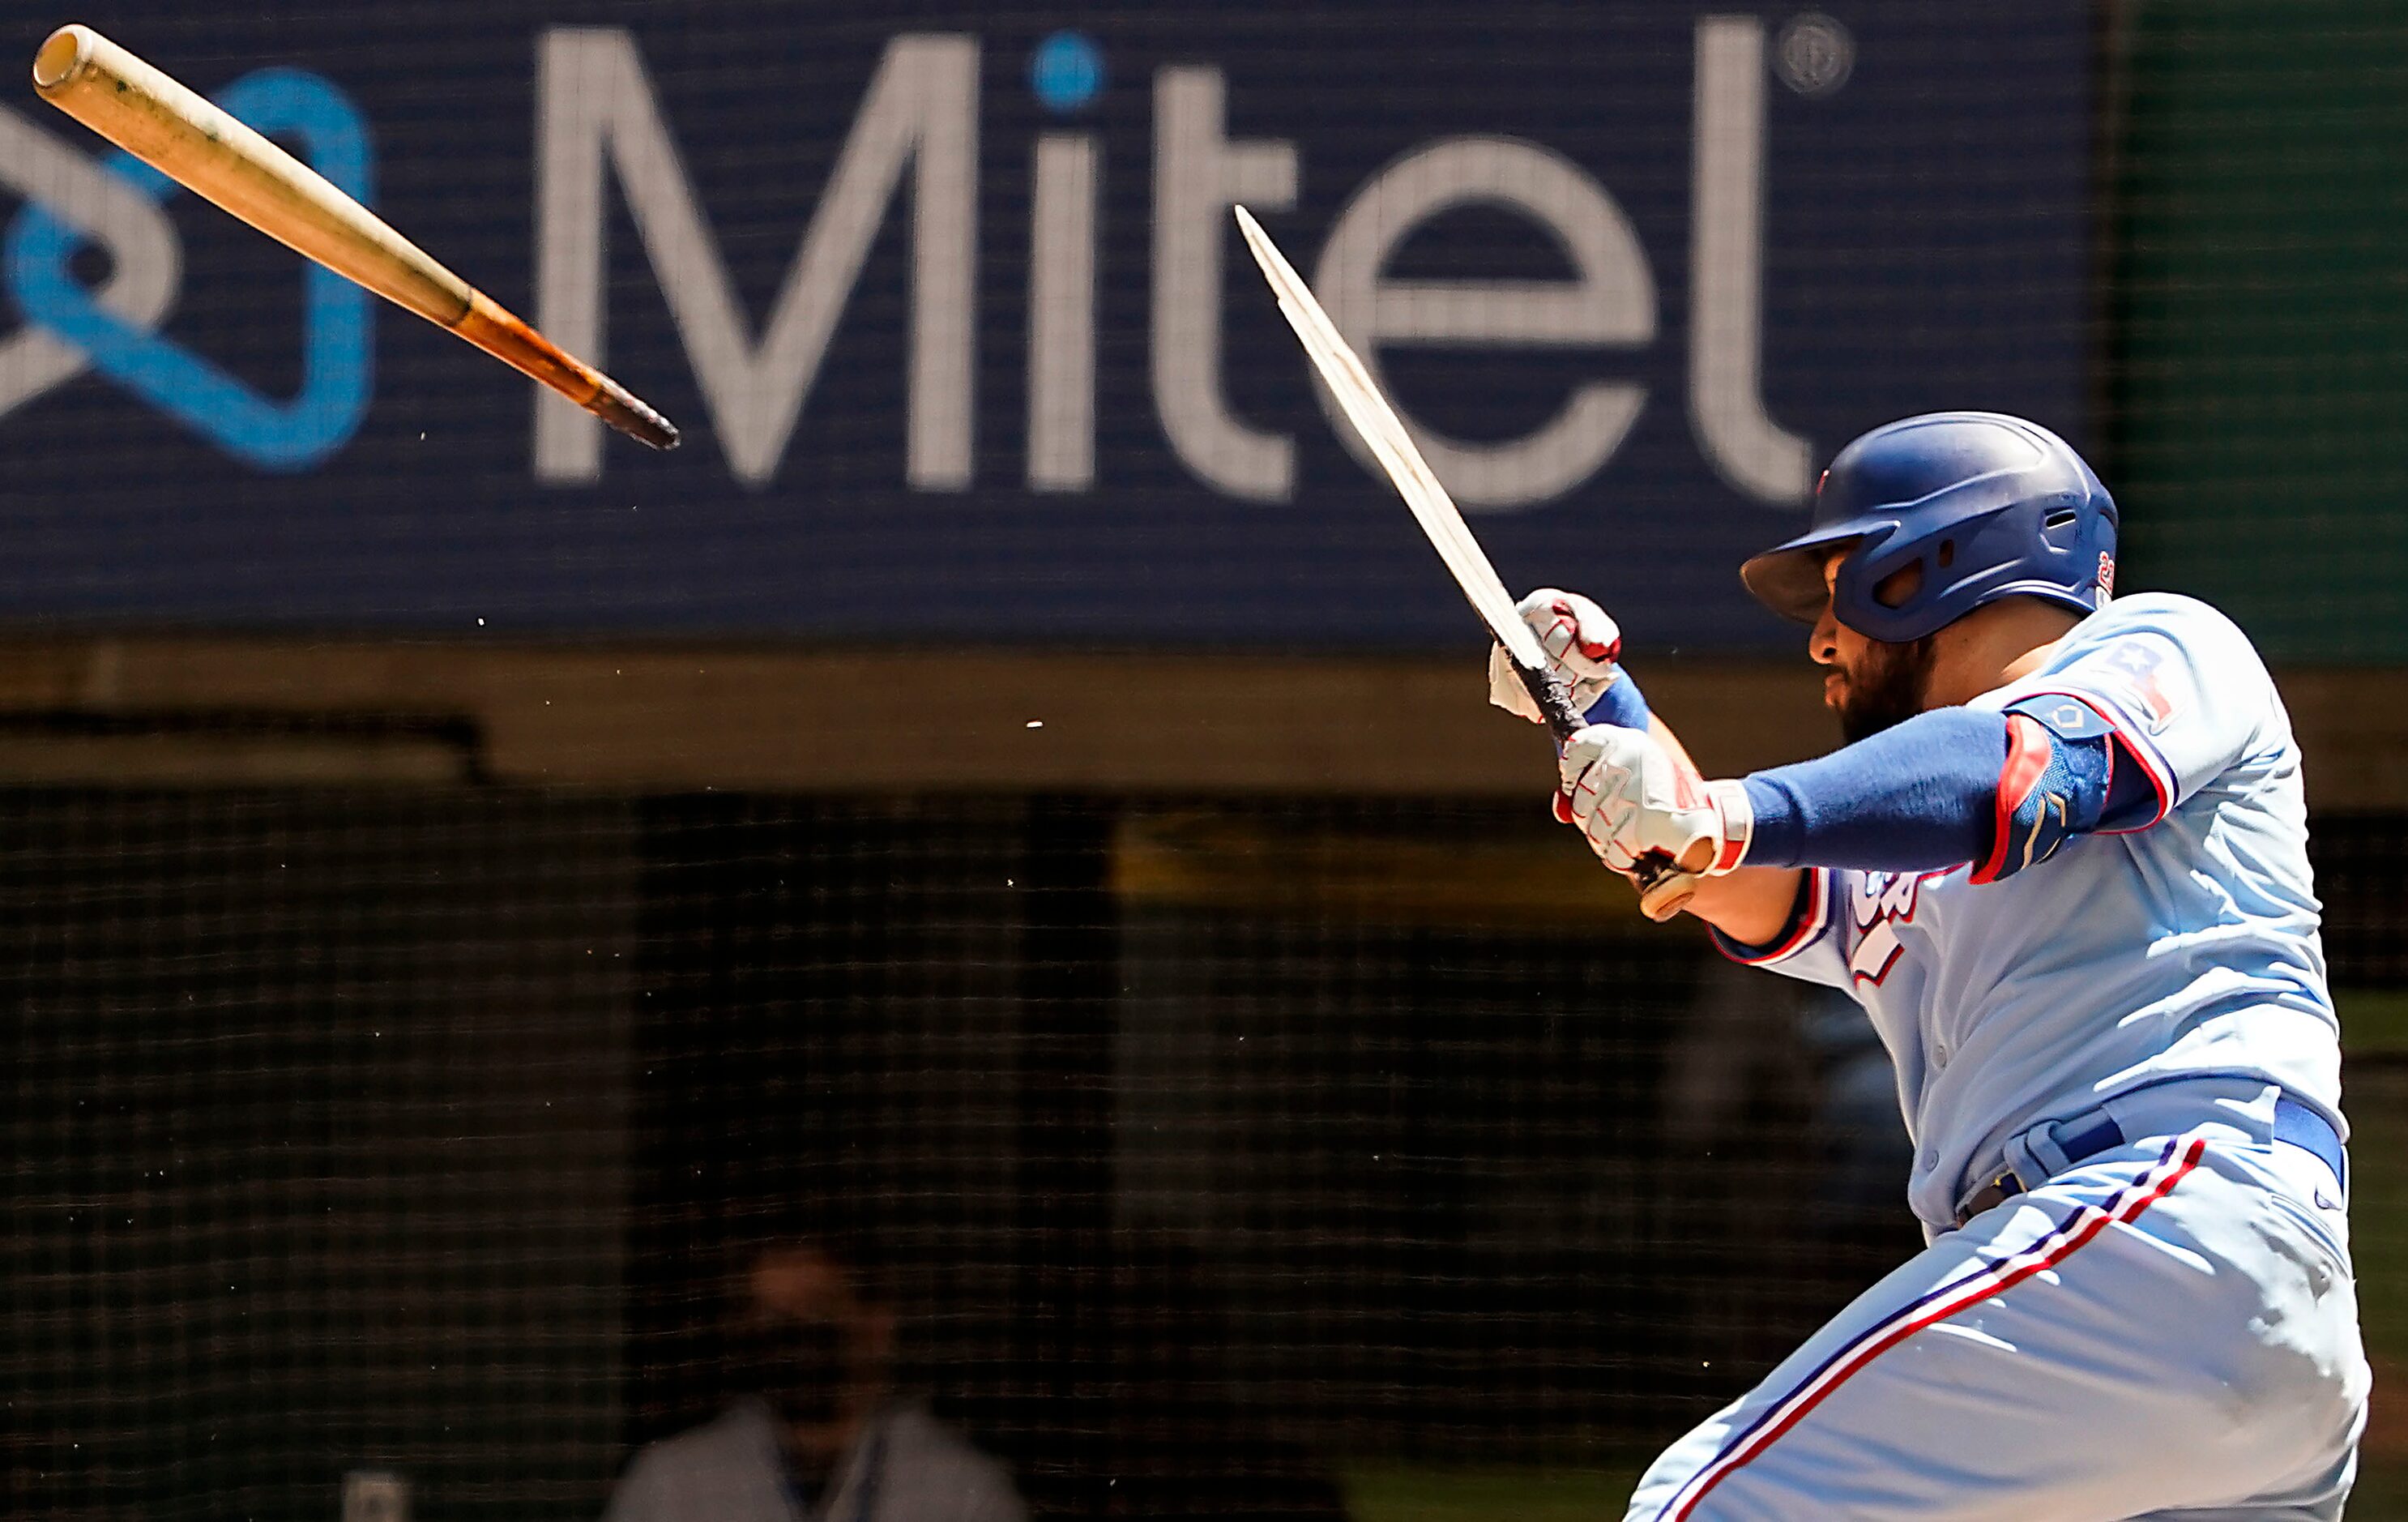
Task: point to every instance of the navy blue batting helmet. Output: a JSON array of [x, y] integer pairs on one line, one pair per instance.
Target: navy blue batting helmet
[[1987, 505]]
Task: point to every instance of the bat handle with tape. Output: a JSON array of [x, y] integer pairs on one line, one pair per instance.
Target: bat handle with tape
[[1664, 888]]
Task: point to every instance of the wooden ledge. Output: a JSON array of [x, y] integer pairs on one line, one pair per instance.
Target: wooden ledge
[[857, 720]]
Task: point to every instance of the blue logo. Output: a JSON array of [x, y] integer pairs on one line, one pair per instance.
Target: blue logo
[[337, 363], [1066, 72]]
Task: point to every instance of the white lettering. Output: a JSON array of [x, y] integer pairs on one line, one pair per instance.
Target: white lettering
[[1727, 271], [922, 107], [1879, 948], [1898, 897], [1865, 896], [1610, 301], [1879, 902], [599, 118], [1198, 173], [1061, 314]]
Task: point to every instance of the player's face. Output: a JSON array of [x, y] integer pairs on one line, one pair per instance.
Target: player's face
[[1870, 683]]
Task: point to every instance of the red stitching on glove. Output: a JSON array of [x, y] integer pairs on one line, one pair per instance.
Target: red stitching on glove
[[1688, 788], [1611, 651]]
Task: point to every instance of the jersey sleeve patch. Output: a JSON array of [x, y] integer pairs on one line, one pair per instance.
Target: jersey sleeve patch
[[2135, 671], [2144, 684]]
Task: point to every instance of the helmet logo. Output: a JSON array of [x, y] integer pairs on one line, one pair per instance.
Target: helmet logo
[[2106, 576]]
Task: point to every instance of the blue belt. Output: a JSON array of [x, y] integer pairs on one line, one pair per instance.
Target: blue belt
[[2294, 1122]]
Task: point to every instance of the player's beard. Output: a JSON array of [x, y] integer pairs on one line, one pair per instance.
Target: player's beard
[[1887, 689]]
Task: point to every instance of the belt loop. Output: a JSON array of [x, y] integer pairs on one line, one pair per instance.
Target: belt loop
[[2034, 1155]]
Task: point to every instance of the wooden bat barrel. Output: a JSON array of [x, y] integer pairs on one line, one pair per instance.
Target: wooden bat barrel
[[173, 129]]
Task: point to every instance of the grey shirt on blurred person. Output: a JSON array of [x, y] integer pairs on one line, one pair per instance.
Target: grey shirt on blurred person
[[907, 1467]]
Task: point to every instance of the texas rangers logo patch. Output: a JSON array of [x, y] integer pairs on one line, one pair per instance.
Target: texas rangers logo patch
[[2139, 666]]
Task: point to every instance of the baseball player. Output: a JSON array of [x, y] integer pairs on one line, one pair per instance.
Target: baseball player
[[2062, 864]]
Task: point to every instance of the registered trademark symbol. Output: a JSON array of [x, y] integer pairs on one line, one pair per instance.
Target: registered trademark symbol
[[1814, 55]]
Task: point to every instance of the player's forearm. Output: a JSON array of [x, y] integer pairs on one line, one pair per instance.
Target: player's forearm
[[1753, 905]]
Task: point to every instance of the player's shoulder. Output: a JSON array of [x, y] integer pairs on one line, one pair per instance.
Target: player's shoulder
[[2197, 627], [2164, 663]]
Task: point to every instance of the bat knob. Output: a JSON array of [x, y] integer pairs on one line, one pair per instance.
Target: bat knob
[[1664, 890], [621, 410]]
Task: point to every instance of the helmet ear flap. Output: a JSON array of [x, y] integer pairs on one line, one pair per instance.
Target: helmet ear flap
[[1882, 583], [1901, 586]]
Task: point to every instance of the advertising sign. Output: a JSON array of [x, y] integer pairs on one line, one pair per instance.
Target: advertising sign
[[954, 315]]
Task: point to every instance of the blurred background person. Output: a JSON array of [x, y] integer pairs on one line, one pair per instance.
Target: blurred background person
[[816, 1428]]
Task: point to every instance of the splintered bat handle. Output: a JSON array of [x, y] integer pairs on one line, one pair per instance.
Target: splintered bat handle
[[501, 333], [615, 404], [1664, 889]]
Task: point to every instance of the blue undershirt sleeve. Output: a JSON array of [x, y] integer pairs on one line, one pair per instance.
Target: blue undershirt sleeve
[[2000, 791], [1620, 705], [1914, 797]]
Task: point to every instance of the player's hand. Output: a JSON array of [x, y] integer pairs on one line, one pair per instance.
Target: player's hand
[[1633, 799], [1582, 644]]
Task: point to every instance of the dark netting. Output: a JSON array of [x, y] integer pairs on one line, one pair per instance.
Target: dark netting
[[420, 1134], [2361, 864], [1210, 1157], [317, 1147]]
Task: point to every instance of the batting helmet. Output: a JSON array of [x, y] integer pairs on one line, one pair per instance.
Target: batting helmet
[[1987, 505]]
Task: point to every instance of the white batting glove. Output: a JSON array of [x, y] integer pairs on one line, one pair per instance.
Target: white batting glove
[[1632, 800], [1582, 644]]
